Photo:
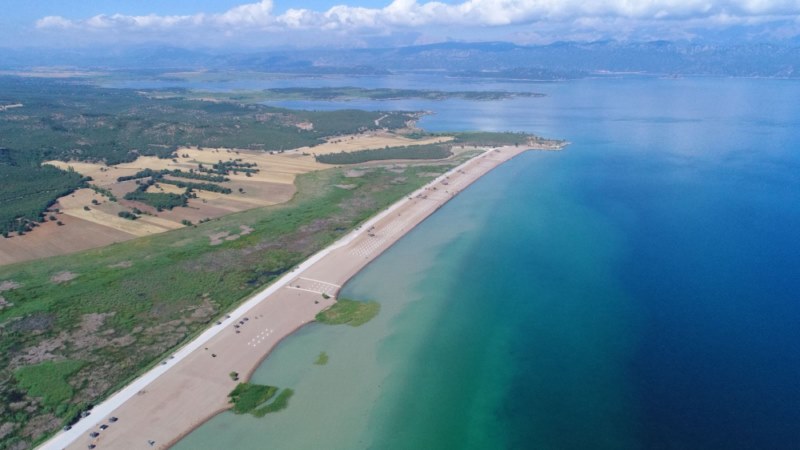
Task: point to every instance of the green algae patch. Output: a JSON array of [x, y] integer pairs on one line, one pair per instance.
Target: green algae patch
[[251, 398], [281, 402], [322, 359], [350, 312]]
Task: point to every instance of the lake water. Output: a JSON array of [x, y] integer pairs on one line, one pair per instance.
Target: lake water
[[640, 289]]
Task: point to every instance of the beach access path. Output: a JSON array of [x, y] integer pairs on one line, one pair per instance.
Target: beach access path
[[191, 386]]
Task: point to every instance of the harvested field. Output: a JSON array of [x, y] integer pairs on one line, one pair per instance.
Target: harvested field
[[90, 219], [51, 239], [369, 141]]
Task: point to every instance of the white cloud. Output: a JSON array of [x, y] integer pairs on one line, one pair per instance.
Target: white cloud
[[427, 15]]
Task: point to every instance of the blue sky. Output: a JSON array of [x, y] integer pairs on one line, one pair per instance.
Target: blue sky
[[360, 23]]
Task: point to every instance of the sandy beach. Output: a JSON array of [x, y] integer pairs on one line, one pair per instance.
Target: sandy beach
[[188, 388]]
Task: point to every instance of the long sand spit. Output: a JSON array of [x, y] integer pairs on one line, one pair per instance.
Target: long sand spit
[[191, 386]]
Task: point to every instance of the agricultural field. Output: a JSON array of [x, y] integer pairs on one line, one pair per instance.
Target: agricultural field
[[151, 195], [72, 158], [58, 120]]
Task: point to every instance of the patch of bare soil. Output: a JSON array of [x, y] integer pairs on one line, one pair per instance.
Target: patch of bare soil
[[219, 238], [6, 429], [9, 285], [63, 277], [90, 323], [85, 336], [41, 422], [121, 265], [354, 173]]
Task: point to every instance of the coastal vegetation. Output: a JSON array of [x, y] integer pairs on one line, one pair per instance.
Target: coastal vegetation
[[251, 398], [47, 381], [438, 150], [428, 151], [493, 139], [349, 312], [119, 308]]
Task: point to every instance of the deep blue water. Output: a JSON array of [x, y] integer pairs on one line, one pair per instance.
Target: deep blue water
[[640, 289], [685, 196], [653, 267]]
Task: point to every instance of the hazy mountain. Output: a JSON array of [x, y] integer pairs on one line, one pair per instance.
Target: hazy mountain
[[561, 60]]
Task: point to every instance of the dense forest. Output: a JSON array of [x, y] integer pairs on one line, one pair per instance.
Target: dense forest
[[27, 188], [63, 120]]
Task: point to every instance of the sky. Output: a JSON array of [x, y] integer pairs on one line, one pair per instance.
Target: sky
[[376, 23]]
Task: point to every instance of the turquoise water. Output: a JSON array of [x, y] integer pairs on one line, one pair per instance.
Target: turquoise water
[[638, 290]]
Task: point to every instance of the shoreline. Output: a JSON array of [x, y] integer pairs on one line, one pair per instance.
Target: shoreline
[[189, 388]]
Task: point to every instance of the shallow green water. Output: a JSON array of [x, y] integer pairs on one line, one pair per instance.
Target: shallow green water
[[433, 369]]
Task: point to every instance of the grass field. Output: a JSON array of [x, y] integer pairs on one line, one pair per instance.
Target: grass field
[[48, 381]]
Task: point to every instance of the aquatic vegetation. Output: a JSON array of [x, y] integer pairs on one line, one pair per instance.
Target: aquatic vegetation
[[350, 312], [248, 398]]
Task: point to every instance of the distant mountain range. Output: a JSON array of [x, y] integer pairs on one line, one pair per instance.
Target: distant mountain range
[[562, 60]]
